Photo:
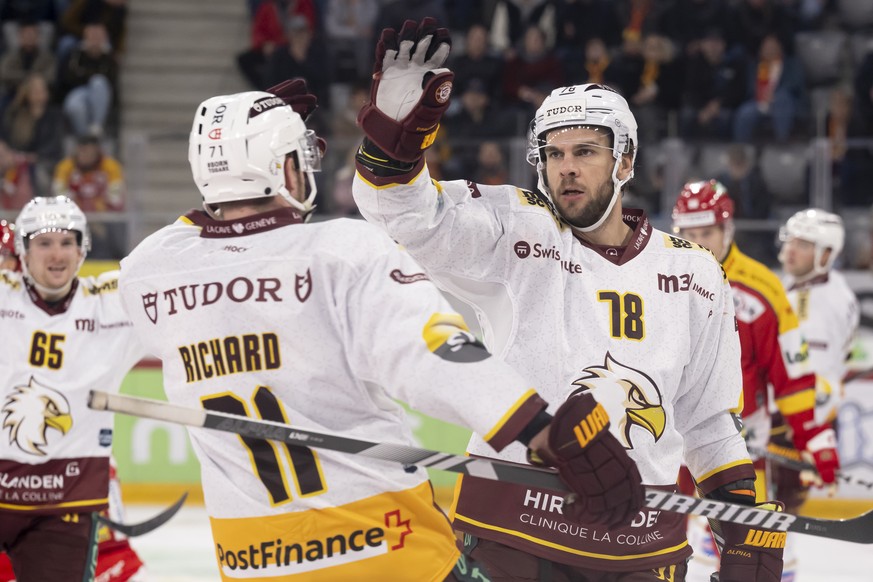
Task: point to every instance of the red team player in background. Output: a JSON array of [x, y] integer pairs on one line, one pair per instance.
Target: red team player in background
[[773, 349]]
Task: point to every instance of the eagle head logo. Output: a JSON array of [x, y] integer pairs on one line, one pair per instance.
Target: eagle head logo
[[30, 411], [620, 385]]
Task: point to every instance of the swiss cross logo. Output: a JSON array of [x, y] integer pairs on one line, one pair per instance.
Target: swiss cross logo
[[393, 519]]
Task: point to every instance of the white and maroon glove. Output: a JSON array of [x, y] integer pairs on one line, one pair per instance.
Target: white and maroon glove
[[606, 484], [410, 90]]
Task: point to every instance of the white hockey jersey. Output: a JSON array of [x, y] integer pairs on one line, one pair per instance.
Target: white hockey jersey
[[54, 450], [649, 330], [829, 315], [319, 325]]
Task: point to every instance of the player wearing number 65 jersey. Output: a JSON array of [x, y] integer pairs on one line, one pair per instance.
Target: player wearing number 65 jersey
[[63, 336], [324, 325], [581, 295]]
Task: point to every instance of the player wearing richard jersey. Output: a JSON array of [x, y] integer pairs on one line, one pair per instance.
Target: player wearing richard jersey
[[73, 335], [577, 293], [323, 326]]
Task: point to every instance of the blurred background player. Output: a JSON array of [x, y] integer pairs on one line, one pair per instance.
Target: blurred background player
[[578, 293], [773, 352], [825, 305], [54, 451], [336, 322]]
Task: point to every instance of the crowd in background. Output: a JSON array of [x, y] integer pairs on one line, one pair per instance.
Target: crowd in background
[[59, 114], [740, 74], [744, 84]]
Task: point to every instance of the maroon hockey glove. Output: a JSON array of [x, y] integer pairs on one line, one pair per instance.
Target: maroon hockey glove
[[410, 92], [295, 94], [605, 482], [747, 552]]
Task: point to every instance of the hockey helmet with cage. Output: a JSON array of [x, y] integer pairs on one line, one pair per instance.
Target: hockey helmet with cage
[[822, 228], [238, 146], [588, 105], [704, 203]]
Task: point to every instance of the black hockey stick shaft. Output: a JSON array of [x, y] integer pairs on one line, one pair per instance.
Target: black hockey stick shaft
[[133, 530], [858, 529], [801, 465]]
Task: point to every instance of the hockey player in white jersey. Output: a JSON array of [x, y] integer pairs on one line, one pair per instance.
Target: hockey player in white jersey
[[254, 312], [579, 294], [70, 335], [826, 307]]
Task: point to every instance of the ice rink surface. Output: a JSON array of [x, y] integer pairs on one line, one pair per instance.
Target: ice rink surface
[[181, 551]]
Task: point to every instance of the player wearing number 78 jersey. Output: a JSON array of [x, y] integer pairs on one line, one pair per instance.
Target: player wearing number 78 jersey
[[580, 294], [324, 325]]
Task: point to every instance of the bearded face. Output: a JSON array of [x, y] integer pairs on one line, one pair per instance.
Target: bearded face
[[30, 412]]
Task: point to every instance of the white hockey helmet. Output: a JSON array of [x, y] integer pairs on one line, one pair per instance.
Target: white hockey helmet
[[50, 214], [593, 105], [238, 146], [824, 229]]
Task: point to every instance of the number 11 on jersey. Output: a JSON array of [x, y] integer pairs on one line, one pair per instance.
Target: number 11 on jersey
[[303, 461]]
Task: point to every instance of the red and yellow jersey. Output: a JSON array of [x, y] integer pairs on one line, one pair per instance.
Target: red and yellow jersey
[[323, 326], [54, 450], [98, 190], [773, 348]]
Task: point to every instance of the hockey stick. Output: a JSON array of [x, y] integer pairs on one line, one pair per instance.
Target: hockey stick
[[798, 465], [858, 529], [133, 530]]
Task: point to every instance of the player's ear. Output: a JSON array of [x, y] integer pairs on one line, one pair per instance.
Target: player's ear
[[625, 166], [292, 177]]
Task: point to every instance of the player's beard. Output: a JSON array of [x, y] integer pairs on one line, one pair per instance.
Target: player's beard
[[591, 212]]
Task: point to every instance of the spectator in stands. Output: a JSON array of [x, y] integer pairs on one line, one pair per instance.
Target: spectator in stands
[[750, 21], [652, 78], [685, 21], [349, 26], [502, 19], [395, 12], [775, 90], [112, 14], [31, 125], [476, 62], [344, 123], [94, 180], [268, 34], [591, 69], [41, 12], [742, 178], [477, 118], [491, 165], [16, 187], [529, 76], [715, 85], [302, 57], [29, 57], [87, 82], [570, 23]]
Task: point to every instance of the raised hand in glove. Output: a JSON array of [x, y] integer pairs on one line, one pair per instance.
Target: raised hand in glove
[[748, 553], [410, 91], [606, 485]]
